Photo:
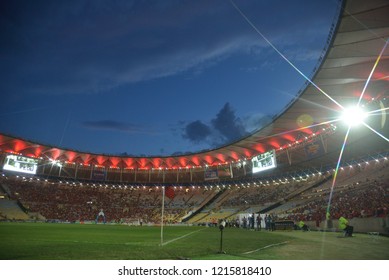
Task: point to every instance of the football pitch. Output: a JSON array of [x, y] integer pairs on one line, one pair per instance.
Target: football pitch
[[38, 241]]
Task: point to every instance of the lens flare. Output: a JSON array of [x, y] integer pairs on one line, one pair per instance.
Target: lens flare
[[304, 120], [336, 171], [282, 55], [376, 132], [353, 116], [372, 71]]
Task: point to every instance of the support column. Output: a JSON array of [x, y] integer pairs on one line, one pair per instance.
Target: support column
[[75, 173], [289, 157], [121, 174]]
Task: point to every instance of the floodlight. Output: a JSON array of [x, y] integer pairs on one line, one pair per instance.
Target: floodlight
[[353, 116]]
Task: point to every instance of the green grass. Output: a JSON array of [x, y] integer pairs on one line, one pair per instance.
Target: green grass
[[111, 242]]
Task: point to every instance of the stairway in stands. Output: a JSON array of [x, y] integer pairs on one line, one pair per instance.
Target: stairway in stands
[[11, 210]]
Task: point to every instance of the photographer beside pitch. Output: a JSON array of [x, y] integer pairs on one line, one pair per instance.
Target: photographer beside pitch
[[345, 227]]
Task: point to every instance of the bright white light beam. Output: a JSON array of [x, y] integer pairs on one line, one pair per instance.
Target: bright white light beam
[[378, 110], [372, 71], [375, 131], [337, 169], [284, 57], [353, 116]]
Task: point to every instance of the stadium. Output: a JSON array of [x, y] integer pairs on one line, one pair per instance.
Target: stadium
[[323, 157]]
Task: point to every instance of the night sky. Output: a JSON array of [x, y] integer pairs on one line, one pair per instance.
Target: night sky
[[152, 77]]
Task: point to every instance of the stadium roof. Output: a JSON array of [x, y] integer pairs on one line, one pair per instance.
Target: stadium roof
[[357, 53]]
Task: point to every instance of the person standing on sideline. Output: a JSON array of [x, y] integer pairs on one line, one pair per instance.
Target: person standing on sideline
[[267, 222], [252, 221], [259, 222], [344, 226], [303, 226], [244, 222]]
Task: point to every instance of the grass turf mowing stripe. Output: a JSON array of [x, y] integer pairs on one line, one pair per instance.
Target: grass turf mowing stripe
[[178, 238], [32, 241], [263, 248]]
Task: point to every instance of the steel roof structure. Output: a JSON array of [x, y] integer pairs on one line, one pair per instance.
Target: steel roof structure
[[355, 64]]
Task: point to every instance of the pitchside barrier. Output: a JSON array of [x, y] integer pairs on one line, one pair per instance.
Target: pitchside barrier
[[364, 225], [284, 225]]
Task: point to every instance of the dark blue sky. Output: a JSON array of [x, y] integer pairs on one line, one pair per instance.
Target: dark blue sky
[[152, 77]]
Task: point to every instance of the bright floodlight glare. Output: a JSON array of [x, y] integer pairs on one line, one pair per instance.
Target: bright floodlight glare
[[353, 116]]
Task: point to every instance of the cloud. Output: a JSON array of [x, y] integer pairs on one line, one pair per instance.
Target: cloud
[[92, 47], [95, 46], [196, 132], [298, 54], [225, 128], [255, 121], [113, 125], [227, 124], [222, 129]]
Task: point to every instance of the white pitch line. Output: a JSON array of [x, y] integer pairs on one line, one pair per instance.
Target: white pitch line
[[178, 238], [268, 246]]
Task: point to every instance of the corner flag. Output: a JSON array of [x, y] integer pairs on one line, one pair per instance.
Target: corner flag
[[169, 192]]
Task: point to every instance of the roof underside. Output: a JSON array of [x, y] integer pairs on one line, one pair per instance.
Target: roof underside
[[355, 43]]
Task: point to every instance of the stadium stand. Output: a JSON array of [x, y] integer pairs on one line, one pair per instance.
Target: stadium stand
[[10, 210], [362, 192]]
